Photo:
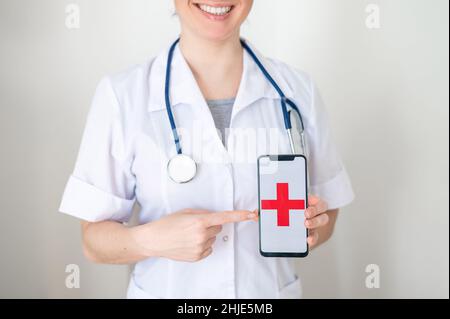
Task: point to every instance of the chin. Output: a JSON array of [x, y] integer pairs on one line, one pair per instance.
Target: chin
[[217, 35], [217, 22]]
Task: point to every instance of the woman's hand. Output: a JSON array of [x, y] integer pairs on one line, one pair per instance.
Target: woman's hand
[[187, 235], [318, 221]]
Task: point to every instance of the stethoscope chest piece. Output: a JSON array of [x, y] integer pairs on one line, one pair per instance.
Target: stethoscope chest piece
[[181, 169]]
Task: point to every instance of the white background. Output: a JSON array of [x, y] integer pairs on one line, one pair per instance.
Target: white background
[[387, 95]]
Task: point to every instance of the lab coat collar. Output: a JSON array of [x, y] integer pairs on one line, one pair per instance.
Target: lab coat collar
[[184, 88]]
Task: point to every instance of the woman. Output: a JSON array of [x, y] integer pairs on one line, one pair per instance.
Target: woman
[[198, 239]]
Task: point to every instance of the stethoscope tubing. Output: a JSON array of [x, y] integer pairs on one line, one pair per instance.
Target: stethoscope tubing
[[284, 100], [173, 125]]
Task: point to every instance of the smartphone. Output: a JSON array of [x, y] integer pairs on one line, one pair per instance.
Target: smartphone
[[283, 199]]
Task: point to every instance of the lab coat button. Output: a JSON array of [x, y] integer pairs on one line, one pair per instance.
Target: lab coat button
[[225, 238]]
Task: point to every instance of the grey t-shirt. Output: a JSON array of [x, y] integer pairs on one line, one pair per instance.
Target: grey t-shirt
[[221, 112]]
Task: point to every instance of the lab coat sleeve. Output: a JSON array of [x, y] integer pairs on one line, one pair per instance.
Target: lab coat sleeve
[[328, 177], [102, 185]]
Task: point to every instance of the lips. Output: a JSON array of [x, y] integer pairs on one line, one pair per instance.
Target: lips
[[215, 12], [218, 11]]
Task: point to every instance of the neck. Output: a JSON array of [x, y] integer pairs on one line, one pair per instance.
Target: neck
[[217, 65]]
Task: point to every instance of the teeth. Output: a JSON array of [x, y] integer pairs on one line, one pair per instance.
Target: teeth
[[219, 11]]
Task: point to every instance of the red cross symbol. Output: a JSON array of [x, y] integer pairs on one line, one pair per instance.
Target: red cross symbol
[[283, 204]]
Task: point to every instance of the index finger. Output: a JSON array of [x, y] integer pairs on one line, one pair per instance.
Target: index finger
[[228, 217], [316, 207], [313, 200]]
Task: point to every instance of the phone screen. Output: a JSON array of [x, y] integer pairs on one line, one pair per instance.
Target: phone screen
[[282, 182]]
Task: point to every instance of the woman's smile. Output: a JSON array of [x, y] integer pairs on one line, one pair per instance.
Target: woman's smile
[[215, 20], [216, 12]]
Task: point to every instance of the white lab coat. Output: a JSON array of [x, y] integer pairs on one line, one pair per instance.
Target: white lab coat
[[124, 153]]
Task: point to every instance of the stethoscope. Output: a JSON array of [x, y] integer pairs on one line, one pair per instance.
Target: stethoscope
[[183, 168]]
